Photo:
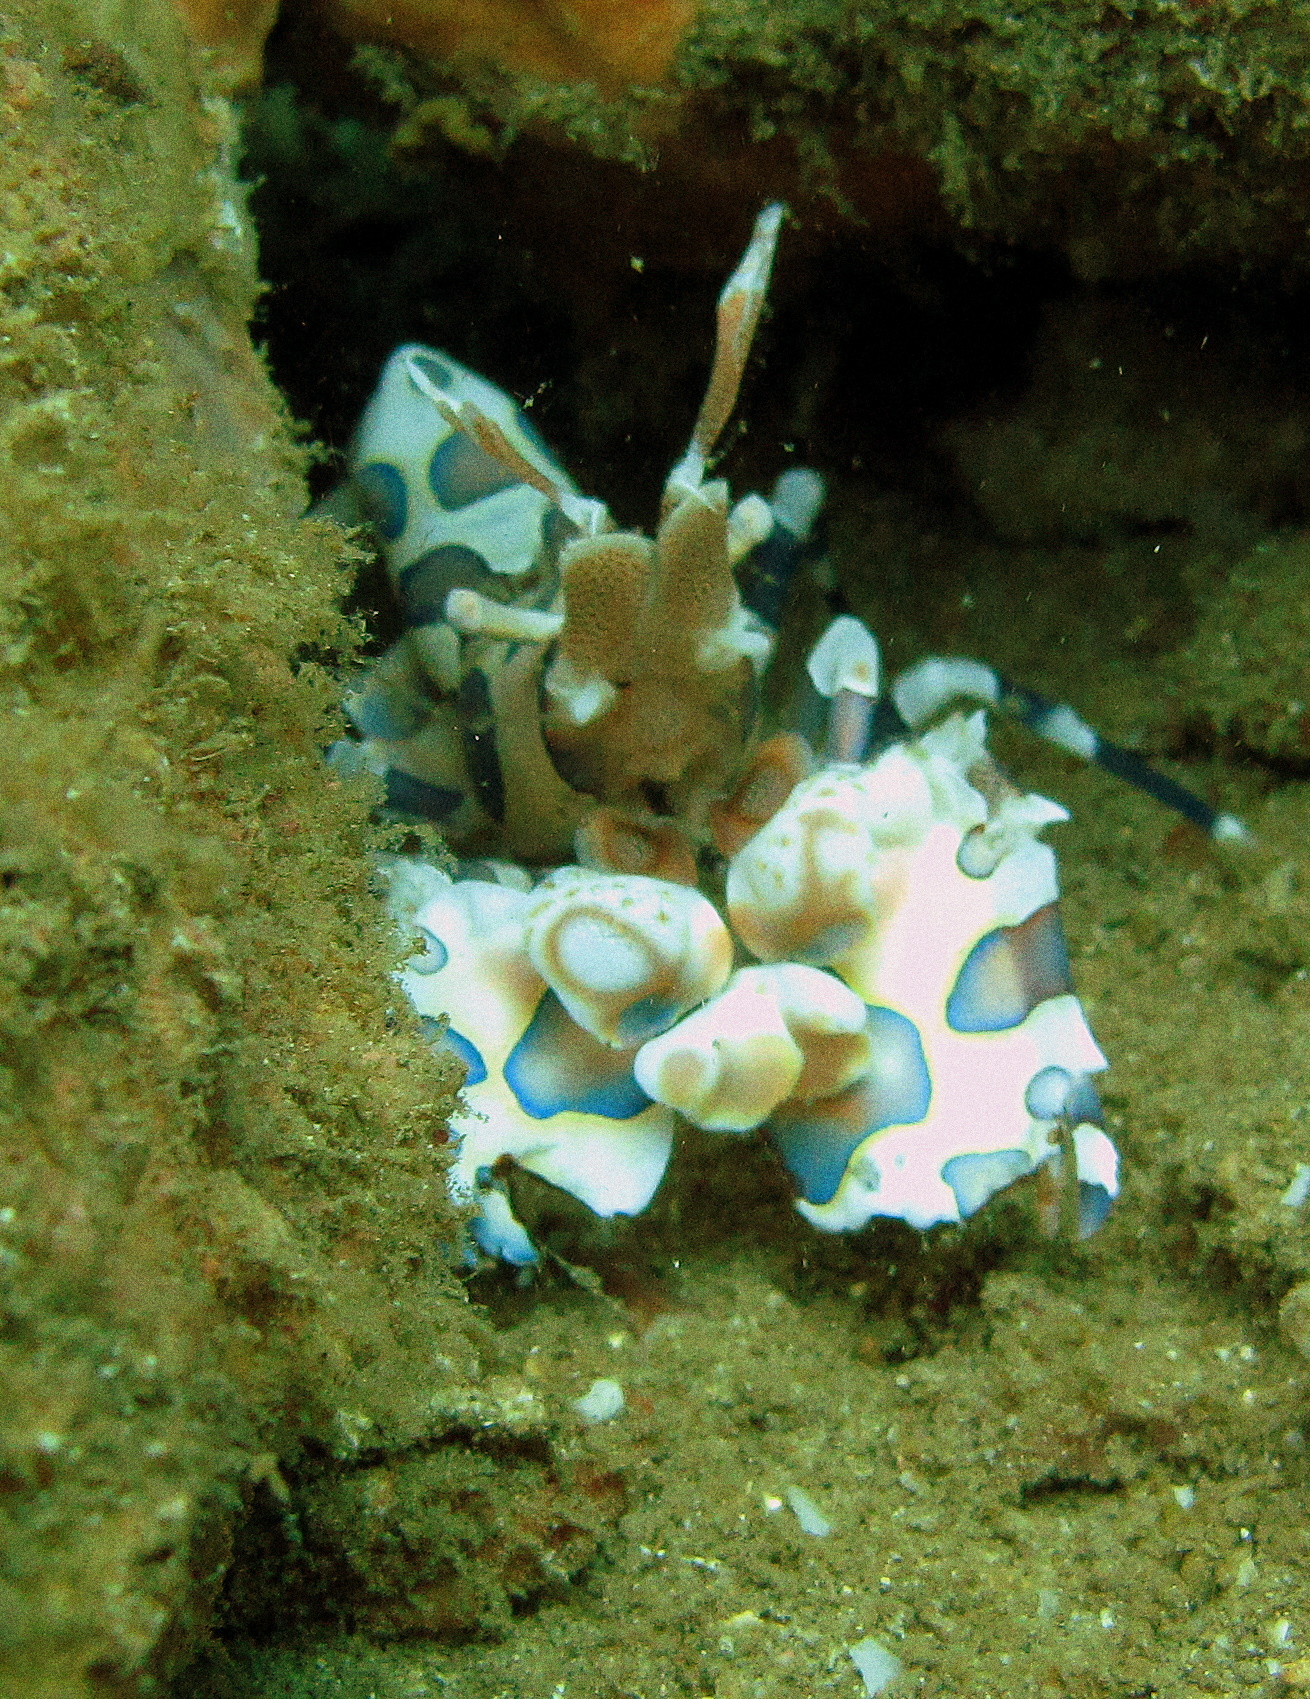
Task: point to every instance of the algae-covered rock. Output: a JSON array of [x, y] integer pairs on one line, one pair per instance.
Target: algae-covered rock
[[1130, 138], [222, 1219]]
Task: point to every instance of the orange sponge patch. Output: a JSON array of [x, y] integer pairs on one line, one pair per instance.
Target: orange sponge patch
[[609, 42]]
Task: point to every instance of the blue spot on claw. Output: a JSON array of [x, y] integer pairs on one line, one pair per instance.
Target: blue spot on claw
[[437, 957], [973, 1178], [817, 1140], [646, 1019], [464, 1048], [1047, 1095], [1008, 973], [408, 795], [1084, 1104], [557, 1066], [1093, 1208], [461, 473], [423, 586], [386, 500]]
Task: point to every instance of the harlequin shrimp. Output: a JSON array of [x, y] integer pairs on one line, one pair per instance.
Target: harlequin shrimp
[[880, 984]]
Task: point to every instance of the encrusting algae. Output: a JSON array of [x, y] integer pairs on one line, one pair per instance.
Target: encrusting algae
[[223, 1216]]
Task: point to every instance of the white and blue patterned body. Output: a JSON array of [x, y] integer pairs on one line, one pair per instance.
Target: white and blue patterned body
[[605, 1142], [910, 1045], [500, 979], [550, 665], [450, 518], [426, 485], [936, 904], [903, 1031]]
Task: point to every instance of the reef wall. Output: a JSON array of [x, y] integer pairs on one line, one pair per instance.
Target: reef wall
[[223, 1223], [1133, 138]]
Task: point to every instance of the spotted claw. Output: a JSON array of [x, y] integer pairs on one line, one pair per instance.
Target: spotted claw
[[627, 956], [774, 1033]]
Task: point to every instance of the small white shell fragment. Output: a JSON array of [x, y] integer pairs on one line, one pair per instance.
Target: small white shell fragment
[[1184, 1497], [601, 1402], [1298, 1192], [808, 1514], [877, 1666]]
